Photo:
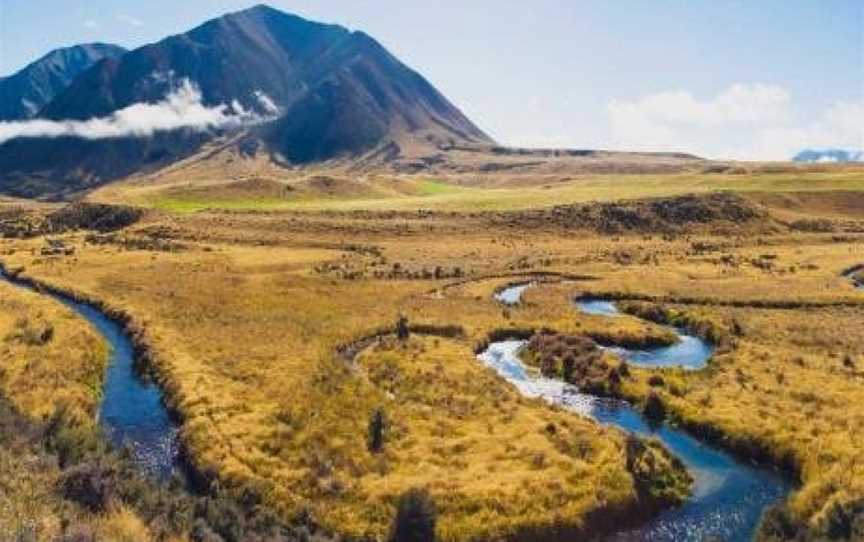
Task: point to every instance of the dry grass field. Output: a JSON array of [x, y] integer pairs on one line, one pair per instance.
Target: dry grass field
[[50, 359], [244, 184], [247, 310], [39, 338]]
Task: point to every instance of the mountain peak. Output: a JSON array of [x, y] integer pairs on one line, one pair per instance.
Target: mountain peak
[[339, 94], [25, 93], [263, 9]]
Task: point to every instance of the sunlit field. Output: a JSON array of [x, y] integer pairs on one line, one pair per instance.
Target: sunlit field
[[460, 193], [249, 316]]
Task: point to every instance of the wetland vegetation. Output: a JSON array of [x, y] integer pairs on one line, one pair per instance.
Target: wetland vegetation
[[321, 366]]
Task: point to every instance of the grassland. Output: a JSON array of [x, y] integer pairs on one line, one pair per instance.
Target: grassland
[[51, 361], [39, 337], [289, 419], [246, 310], [459, 192]]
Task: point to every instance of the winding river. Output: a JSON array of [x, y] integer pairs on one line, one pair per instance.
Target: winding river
[[729, 495], [689, 352], [132, 413]]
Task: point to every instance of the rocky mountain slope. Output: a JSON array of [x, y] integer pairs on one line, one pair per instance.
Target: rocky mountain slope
[[327, 92], [25, 93]]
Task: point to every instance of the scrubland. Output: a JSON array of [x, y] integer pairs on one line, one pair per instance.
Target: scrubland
[[247, 313]]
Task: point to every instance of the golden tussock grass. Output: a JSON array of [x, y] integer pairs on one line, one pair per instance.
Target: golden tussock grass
[[50, 356], [245, 323]]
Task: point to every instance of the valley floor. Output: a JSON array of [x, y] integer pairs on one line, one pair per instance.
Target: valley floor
[[249, 315]]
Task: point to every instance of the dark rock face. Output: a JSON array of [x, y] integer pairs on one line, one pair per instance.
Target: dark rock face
[[339, 94], [25, 93]]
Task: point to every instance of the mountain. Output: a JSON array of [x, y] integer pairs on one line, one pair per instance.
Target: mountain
[[340, 94], [829, 155], [25, 93]]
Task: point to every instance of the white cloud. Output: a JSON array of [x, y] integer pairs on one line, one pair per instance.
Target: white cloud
[[182, 108], [268, 104], [130, 20], [91, 24], [755, 121]]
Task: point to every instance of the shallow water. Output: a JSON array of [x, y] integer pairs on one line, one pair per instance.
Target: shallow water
[[728, 496], [132, 412], [689, 352], [512, 295], [598, 307]]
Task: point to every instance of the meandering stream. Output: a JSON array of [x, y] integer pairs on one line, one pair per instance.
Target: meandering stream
[[729, 495], [728, 498], [689, 352], [132, 412]]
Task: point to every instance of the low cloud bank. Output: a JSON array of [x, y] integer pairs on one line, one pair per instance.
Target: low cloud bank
[[744, 121], [181, 109]]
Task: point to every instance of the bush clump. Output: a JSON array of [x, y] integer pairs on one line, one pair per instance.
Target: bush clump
[[377, 425], [90, 485], [654, 408], [402, 329], [576, 359], [416, 516], [93, 216]]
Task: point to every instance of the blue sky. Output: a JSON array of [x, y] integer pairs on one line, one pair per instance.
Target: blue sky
[[722, 78]]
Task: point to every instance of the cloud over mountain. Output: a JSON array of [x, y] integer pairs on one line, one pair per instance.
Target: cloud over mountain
[[180, 109]]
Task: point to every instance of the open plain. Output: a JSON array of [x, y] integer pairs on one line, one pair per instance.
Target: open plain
[[272, 329]]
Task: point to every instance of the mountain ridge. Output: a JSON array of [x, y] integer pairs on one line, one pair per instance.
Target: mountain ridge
[[24, 93], [341, 94]]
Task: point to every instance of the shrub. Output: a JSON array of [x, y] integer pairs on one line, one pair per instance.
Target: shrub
[[614, 377], [68, 438], [32, 334], [201, 532], [93, 216], [656, 381], [624, 369], [377, 424], [416, 516], [568, 364], [402, 330], [224, 518], [90, 485], [654, 408], [845, 521], [776, 525]]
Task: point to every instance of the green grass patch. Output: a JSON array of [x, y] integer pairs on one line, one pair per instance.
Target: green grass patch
[[439, 195]]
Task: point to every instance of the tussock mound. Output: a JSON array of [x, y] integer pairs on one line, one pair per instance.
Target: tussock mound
[[654, 215], [93, 216]]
